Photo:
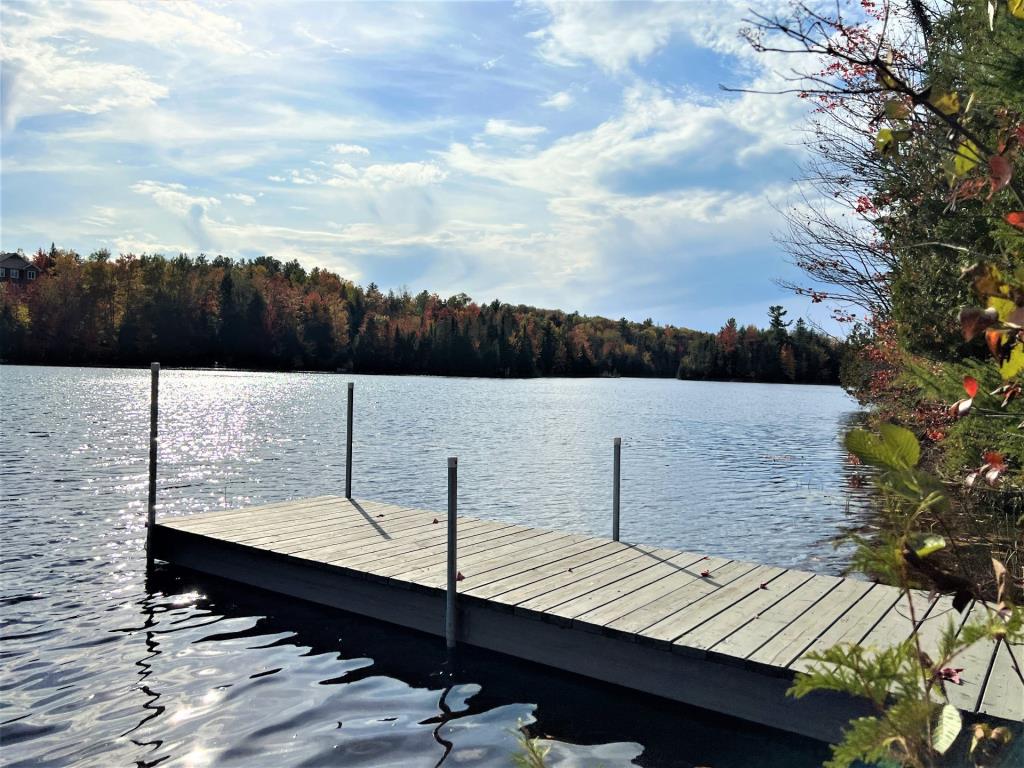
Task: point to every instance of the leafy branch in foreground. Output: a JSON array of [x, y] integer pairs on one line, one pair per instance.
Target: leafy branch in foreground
[[915, 724]]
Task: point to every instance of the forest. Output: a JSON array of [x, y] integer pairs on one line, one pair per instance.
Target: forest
[[262, 313]]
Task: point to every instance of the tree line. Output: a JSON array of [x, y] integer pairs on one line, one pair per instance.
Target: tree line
[[262, 313]]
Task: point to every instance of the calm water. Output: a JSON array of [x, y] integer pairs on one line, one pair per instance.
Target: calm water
[[104, 665]]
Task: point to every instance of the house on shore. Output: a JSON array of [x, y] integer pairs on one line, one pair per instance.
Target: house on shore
[[15, 268]]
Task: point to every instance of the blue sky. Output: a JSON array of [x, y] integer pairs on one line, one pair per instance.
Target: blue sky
[[572, 156]]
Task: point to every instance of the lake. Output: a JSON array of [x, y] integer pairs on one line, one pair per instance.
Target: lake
[[104, 664]]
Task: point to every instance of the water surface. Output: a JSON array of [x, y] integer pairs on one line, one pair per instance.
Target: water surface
[[104, 665]]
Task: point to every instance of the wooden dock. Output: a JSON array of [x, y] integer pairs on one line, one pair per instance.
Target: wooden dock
[[720, 634]]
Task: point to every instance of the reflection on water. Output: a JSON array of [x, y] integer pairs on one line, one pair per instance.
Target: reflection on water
[[102, 666]]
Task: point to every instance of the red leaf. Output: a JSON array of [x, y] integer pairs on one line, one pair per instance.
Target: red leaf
[[970, 386], [995, 460], [1015, 219], [705, 574], [952, 675], [459, 576], [994, 340], [1000, 172]]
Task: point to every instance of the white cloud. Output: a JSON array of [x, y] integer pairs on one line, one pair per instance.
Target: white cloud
[[384, 177], [509, 129], [611, 35], [304, 177], [616, 36], [47, 77], [44, 81], [243, 198], [102, 217], [560, 100], [492, 63], [349, 149], [175, 197]]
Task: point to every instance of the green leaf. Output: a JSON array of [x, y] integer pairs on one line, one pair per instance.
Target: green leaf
[[966, 158], [947, 102], [928, 545], [885, 143], [946, 729], [894, 448], [897, 109], [903, 444], [869, 448]]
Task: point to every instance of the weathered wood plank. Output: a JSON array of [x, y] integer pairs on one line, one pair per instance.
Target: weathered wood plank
[[514, 539], [317, 523], [931, 628], [621, 591], [561, 594], [365, 552], [199, 520], [977, 662], [769, 619], [854, 624], [712, 603], [373, 548], [560, 578], [489, 535], [747, 609], [473, 564], [686, 592], [1004, 690], [295, 519], [393, 528], [673, 584], [512, 577], [729, 690], [491, 570], [897, 623], [789, 644]]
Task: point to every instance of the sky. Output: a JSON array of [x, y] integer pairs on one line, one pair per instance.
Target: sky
[[572, 156]]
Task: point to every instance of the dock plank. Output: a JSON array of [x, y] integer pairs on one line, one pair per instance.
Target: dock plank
[[623, 591], [513, 576], [564, 593], [977, 662], [1004, 691], [631, 614], [473, 564], [560, 578], [759, 602], [790, 643], [770, 618], [685, 591], [206, 516], [854, 624], [711, 604], [375, 548], [673, 585]]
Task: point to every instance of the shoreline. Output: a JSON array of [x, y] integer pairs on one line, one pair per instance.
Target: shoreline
[[233, 369]]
